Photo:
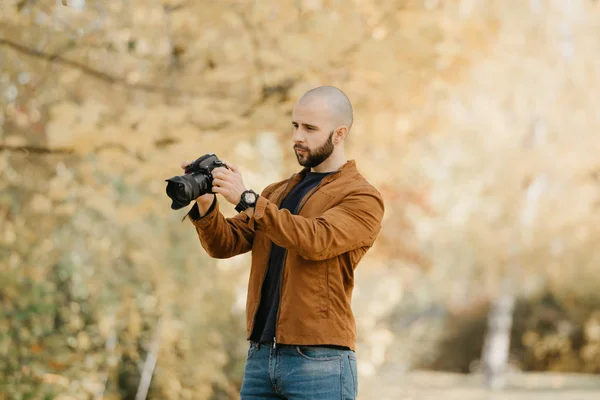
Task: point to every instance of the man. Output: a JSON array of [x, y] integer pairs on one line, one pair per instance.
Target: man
[[307, 235]]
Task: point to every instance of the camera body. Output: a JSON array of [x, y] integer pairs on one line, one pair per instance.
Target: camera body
[[197, 181], [204, 165]]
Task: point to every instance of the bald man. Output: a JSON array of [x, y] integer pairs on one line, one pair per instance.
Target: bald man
[[307, 234]]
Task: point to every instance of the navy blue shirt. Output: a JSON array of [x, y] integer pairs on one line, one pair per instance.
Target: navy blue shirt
[[266, 316]]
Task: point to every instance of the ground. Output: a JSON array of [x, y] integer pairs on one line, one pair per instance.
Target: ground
[[433, 385]]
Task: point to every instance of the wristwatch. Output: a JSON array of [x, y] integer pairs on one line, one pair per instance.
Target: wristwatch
[[249, 198]]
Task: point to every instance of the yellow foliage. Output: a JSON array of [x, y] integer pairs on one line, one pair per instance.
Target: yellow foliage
[[477, 121]]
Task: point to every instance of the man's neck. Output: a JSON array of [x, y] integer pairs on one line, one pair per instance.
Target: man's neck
[[333, 163]]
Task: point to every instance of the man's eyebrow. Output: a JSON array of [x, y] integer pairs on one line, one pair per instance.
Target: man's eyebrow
[[306, 125]]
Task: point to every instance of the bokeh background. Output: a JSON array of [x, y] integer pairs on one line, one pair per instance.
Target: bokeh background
[[478, 120]]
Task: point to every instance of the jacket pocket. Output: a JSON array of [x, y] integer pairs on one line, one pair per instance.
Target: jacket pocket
[[324, 291]]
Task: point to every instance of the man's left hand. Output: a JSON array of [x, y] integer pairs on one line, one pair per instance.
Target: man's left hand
[[228, 183]]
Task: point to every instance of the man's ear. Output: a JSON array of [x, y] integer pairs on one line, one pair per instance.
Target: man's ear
[[340, 134]]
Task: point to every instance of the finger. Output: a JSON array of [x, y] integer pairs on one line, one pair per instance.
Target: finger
[[220, 171], [221, 174], [184, 164], [221, 181], [217, 182], [232, 167]]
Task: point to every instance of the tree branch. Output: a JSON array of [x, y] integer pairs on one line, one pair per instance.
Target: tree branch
[[54, 58], [36, 149], [175, 7], [160, 143], [150, 364]]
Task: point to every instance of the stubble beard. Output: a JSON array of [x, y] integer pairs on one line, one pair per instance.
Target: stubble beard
[[311, 158]]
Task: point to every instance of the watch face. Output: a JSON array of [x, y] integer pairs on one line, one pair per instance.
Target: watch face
[[249, 198]]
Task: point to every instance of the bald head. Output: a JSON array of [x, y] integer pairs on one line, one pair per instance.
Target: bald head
[[337, 103]]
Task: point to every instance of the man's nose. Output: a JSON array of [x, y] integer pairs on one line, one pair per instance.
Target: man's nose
[[298, 136]]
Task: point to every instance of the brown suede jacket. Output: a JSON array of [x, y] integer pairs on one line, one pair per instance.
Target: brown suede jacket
[[336, 225]]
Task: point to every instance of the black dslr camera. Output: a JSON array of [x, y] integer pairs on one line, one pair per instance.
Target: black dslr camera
[[197, 181]]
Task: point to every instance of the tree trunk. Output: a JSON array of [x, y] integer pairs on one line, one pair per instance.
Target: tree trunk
[[497, 341]]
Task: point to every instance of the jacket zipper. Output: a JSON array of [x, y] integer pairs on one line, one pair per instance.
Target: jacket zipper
[[299, 208], [266, 269]]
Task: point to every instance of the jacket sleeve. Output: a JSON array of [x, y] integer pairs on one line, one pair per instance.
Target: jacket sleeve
[[222, 237], [352, 224]]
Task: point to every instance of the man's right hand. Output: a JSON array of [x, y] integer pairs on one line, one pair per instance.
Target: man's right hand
[[205, 201]]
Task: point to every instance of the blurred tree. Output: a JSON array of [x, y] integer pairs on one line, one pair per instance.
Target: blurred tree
[[463, 108]]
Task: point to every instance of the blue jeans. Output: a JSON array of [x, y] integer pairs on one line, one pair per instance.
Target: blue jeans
[[299, 372]]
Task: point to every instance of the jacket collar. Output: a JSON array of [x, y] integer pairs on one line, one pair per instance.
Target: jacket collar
[[347, 168]]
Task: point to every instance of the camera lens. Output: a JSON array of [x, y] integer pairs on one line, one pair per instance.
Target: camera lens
[[180, 194], [197, 181], [185, 188], [179, 189]]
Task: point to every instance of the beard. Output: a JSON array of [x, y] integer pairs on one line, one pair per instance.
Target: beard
[[310, 158]]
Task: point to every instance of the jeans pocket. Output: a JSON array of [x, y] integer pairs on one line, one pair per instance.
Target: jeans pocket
[[251, 351], [353, 371], [315, 353]]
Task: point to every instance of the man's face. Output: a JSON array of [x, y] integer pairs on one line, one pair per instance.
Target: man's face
[[313, 133]]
